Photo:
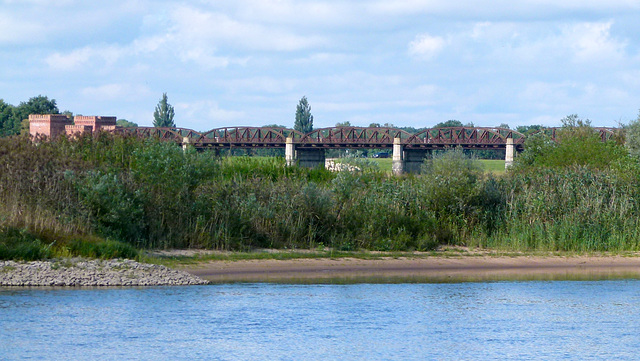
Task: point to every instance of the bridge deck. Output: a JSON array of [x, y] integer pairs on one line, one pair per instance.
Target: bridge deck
[[346, 137]]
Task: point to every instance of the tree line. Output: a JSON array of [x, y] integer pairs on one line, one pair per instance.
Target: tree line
[[14, 119], [116, 192]]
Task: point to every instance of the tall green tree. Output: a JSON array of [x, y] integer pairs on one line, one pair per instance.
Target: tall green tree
[[36, 105], [449, 123], [304, 119], [6, 123], [633, 137], [163, 115], [125, 123]]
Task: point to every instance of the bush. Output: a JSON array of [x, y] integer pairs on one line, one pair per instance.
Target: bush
[[578, 144], [19, 244], [102, 249]]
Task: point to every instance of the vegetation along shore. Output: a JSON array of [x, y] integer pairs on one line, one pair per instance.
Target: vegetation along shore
[[107, 195]]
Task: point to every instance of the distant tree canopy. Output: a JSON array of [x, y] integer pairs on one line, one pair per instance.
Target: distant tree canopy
[[273, 126], [14, 119], [343, 124], [449, 123], [163, 115], [577, 144], [528, 129], [125, 123], [304, 119], [633, 137], [6, 111]]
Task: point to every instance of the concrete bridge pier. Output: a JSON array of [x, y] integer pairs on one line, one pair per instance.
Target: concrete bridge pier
[[185, 144], [397, 166], [509, 154], [413, 160], [407, 160], [289, 152], [308, 158]]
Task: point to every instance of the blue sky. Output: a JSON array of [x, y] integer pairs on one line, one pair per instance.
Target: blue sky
[[248, 62]]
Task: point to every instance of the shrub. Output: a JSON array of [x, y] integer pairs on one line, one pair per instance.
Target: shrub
[[106, 249], [22, 245]]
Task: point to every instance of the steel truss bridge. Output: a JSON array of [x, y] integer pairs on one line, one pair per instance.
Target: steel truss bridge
[[347, 137]]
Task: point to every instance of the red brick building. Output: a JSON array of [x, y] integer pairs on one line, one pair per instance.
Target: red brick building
[[52, 125]]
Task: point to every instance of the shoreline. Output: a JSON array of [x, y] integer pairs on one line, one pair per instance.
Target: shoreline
[[441, 268], [426, 269], [79, 272]]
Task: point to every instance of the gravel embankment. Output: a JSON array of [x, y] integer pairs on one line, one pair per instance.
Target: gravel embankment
[[82, 272]]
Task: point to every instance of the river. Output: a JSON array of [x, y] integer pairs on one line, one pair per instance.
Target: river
[[532, 320]]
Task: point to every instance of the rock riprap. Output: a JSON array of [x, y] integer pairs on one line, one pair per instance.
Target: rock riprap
[[77, 272]]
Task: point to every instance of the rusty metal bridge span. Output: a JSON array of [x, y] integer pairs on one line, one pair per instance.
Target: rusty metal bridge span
[[308, 149]]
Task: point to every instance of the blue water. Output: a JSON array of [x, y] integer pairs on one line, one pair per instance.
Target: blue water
[[559, 320]]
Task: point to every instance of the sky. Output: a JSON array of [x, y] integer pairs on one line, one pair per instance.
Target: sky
[[405, 62]]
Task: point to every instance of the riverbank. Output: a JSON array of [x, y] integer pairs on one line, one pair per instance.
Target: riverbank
[[77, 272], [417, 269], [198, 267]]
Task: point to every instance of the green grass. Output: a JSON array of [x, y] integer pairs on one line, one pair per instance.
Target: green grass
[[385, 164], [495, 166]]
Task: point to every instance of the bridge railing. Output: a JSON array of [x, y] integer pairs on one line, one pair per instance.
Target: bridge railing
[[346, 137], [362, 136]]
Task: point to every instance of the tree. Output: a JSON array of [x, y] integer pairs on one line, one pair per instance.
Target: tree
[[449, 123], [529, 129], [577, 144], [163, 116], [125, 123], [6, 111], [344, 124], [36, 105], [304, 119], [633, 137]]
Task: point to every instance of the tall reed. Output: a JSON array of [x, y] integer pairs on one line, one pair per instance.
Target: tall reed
[[152, 194]]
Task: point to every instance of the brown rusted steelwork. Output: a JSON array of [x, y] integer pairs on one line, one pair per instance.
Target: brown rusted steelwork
[[346, 137], [349, 137], [243, 137], [605, 133], [468, 137]]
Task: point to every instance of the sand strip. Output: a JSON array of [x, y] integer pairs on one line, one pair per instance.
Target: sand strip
[[430, 269]]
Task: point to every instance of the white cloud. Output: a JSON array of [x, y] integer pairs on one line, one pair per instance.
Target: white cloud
[[205, 29], [58, 3], [204, 115], [105, 55], [593, 42], [501, 9], [426, 46], [116, 91], [19, 31], [538, 49], [324, 58], [193, 35], [261, 84], [299, 14]]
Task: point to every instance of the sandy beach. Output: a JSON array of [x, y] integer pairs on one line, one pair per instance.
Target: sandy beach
[[426, 269]]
